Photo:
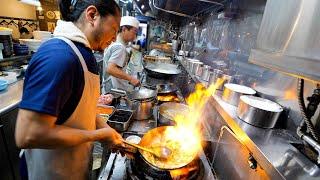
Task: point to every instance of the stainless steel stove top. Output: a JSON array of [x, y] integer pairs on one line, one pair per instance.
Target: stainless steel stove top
[[116, 166], [115, 169]]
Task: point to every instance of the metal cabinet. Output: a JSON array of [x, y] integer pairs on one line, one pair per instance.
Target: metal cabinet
[[9, 153], [233, 160]]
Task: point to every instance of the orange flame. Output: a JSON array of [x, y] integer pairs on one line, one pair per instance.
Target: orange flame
[[187, 130]]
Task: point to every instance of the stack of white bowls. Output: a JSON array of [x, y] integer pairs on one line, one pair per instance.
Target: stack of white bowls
[[42, 35], [33, 44]]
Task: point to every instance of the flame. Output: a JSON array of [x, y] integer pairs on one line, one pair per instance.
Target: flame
[[187, 134], [290, 95], [166, 98]]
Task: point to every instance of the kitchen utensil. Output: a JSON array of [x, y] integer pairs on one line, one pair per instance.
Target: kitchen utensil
[[120, 119], [205, 73], [258, 111], [232, 92], [161, 70], [166, 88], [155, 138], [198, 69], [190, 63], [168, 111], [160, 152], [142, 102], [42, 35], [216, 74], [33, 44]]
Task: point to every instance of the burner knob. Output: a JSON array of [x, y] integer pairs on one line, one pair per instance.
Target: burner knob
[[252, 162]]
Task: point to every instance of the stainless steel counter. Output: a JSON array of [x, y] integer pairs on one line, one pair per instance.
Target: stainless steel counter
[[271, 148], [11, 97]]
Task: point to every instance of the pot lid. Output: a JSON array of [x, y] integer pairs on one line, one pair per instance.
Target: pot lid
[[142, 94]]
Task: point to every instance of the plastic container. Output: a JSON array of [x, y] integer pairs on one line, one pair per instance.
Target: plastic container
[[3, 85], [6, 40]]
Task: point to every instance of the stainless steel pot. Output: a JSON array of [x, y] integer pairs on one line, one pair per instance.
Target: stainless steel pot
[[205, 73], [258, 111], [190, 64], [195, 67], [218, 74], [232, 92], [215, 75], [142, 102]]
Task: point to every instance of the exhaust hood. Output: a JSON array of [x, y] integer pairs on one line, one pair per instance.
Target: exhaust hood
[[289, 38]]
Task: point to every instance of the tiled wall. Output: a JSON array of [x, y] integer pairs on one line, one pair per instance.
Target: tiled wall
[[215, 41]]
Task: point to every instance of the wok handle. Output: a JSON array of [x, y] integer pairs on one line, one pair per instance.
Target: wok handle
[[139, 147]]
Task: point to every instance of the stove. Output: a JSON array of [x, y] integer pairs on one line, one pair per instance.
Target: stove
[[123, 168], [119, 167]]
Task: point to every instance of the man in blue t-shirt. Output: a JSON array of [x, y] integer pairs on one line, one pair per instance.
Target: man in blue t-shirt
[[57, 119]]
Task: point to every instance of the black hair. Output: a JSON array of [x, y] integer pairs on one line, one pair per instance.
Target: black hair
[[125, 27], [72, 11]]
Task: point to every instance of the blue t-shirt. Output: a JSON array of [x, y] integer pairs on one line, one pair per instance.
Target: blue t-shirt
[[54, 80]]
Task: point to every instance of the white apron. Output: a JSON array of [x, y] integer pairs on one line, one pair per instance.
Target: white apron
[[72, 163]]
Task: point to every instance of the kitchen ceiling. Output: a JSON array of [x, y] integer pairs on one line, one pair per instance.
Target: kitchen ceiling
[[185, 7]]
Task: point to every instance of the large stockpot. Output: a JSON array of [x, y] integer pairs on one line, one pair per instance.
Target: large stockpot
[[258, 111], [232, 92], [142, 102]]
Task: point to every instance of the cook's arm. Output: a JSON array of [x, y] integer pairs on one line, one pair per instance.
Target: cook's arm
[[114, 70], [117, 72], [37, 130]]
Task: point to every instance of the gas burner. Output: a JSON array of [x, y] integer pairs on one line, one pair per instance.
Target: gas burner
[[193, 171]]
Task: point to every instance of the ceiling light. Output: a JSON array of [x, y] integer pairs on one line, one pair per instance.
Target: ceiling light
[[31, 2], [142, 7]]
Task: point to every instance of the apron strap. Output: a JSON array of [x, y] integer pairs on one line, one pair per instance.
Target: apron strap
[[76, 50]]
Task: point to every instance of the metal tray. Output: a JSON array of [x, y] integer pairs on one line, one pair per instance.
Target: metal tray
[[120, 119]]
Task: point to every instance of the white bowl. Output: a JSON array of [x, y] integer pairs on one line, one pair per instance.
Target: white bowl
[[42, 35], [33, 44]]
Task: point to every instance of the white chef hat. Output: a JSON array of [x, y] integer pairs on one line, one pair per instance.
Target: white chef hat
[[129, 21]]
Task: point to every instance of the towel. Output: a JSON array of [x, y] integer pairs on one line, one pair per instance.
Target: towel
[[70, 31]]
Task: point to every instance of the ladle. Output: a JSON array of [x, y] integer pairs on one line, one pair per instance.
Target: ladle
[[161, 152]]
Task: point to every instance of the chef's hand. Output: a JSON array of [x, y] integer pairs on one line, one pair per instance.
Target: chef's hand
[[111, 138], [135, 82], [105, 99]]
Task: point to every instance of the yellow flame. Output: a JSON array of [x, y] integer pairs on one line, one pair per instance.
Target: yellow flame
[[187, 130]]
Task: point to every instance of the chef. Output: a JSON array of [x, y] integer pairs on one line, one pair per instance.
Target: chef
[[116, 56], [57, 120]]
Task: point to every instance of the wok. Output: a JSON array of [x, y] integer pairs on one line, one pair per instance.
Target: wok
[[168, 111], [154, 138], [161, 70], [166, 88]]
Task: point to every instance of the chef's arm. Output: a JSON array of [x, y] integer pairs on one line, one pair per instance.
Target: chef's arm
[[37, 130], [114, 70]]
